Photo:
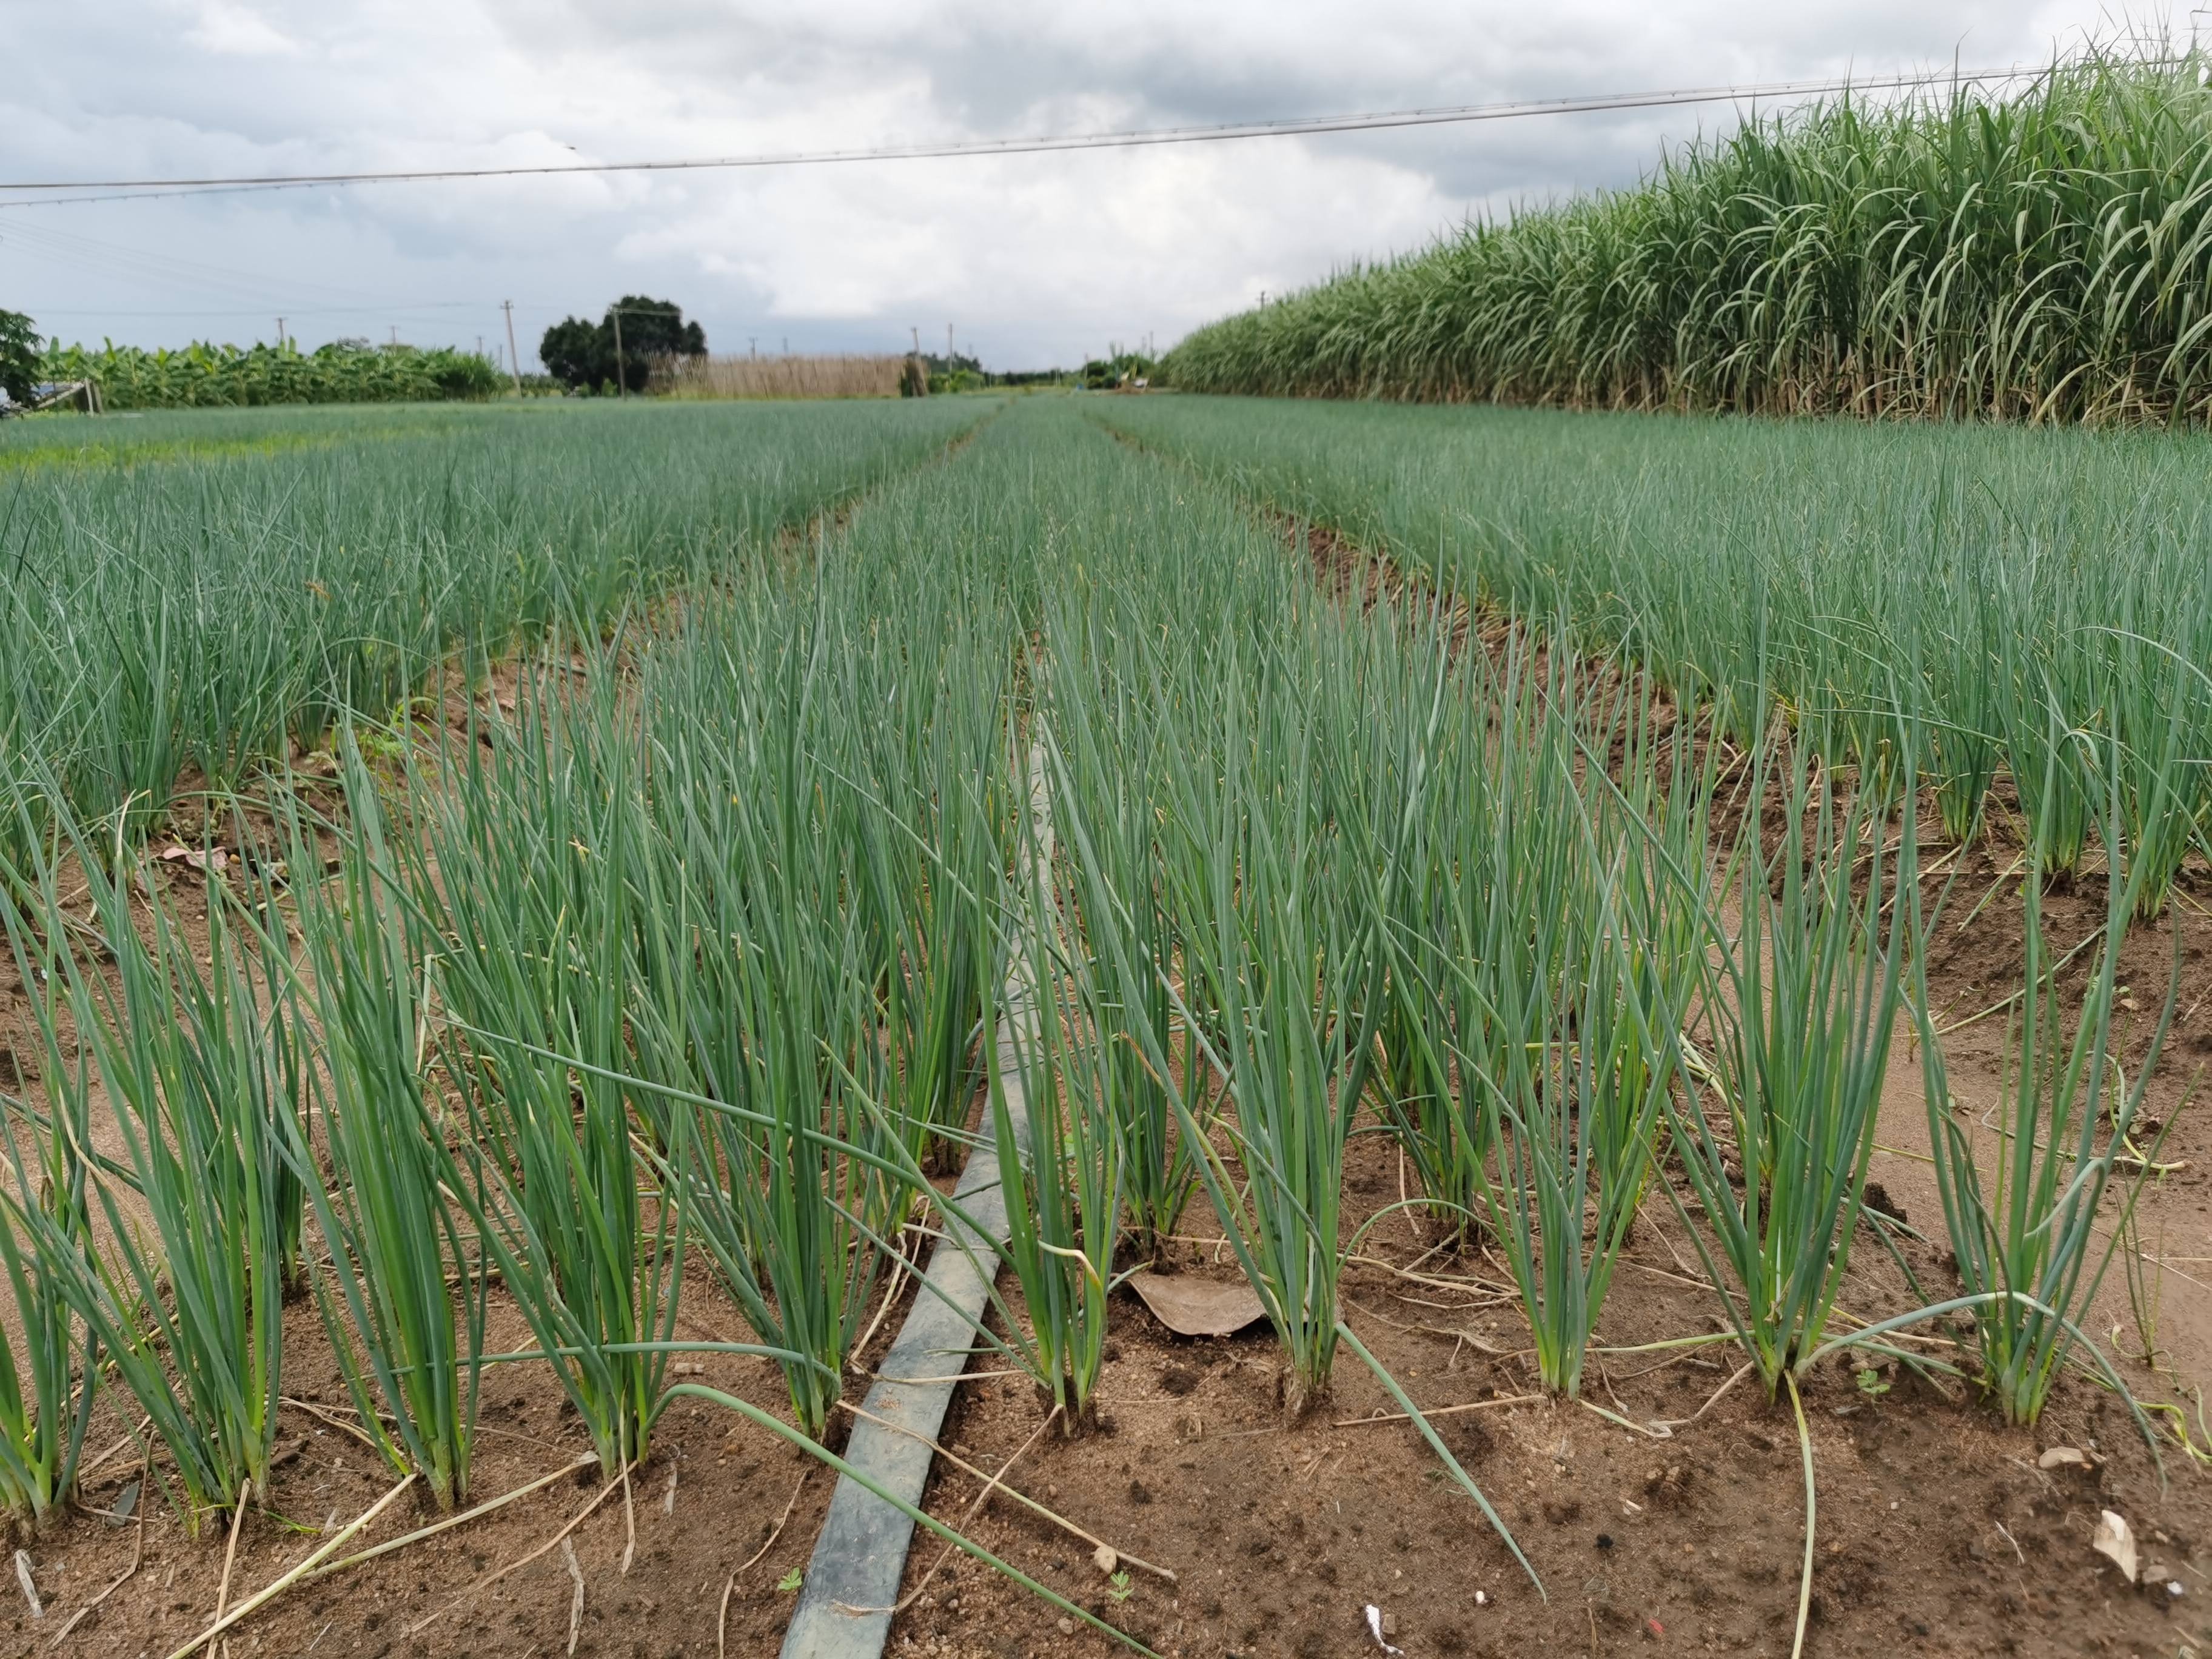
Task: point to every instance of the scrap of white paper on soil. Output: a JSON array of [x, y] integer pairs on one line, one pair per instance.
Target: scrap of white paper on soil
[[1198, 1307], [2116, 1543], [1375, 1629], [30, 1586], [214, 859]]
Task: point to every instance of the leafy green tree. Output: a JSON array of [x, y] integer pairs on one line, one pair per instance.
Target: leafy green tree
[[20, 356], [571, 353], [656, 328], [582, 354]]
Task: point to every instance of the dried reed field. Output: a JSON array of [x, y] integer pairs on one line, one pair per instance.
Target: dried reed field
[[1670, 1010], [849, 376]]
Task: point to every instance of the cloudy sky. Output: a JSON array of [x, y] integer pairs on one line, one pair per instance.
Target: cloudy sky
[[1033, 260]]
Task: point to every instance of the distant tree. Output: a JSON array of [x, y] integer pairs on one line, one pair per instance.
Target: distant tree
[[20, 356], [582, 354], [656, 328], [571, 353]]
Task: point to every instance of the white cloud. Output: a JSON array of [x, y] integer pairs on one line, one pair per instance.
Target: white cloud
[[1036, 258], [235, 31]]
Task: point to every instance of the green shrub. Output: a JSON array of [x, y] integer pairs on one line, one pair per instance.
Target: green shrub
[[19, 356], [204, 375]]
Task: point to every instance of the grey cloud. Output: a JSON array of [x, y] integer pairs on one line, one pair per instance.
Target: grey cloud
[[1038, 258]]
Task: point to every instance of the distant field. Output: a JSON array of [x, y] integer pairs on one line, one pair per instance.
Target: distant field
[[1985, 581], [132, 438], [201, 589]]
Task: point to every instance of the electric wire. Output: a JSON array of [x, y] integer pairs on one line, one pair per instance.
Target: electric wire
[[142, 188]]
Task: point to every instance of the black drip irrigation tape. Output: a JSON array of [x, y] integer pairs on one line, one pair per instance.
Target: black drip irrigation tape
[[844, 1611], [852, 1584]]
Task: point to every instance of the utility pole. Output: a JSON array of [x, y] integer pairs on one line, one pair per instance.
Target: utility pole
[[621, 384], [280, 334], [752, 346], [395, 334], [508, 306], [948, 345]]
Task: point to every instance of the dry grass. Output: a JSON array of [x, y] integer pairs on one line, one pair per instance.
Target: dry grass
[[779, 377]]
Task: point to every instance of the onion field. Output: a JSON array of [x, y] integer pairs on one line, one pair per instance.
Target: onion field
[[1663, 963], [196, 595], [2021, 598]]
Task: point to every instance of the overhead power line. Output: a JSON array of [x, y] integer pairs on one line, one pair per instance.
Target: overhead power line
[[1293, 127], [406, 309]]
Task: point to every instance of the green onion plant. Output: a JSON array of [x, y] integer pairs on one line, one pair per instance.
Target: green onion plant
[[1572, 972], [1794, 1004], [529, 864], [760, 995], [403, 1294], [181, 1273], [1292, 969], [47, 1370], [2022, 1204]]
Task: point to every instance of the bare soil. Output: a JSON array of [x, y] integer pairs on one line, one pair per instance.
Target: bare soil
[[1937, 1532], [707, 1498]]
